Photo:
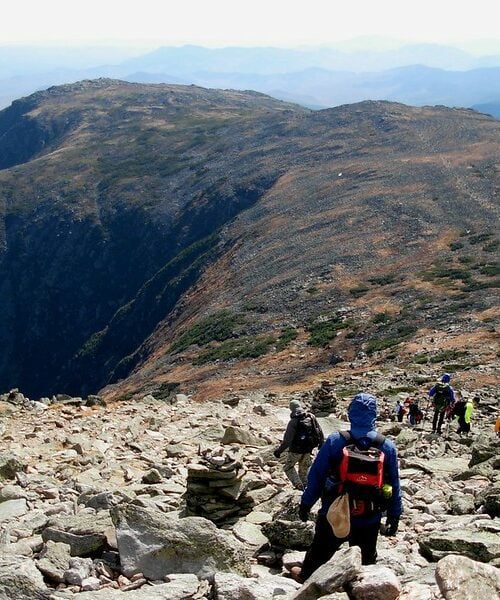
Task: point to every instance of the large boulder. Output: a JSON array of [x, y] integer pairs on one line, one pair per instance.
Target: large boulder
[[342, 568], [21, 580], [236, 435], [483, 546], [375, 582], [157, 544], [460, 578]]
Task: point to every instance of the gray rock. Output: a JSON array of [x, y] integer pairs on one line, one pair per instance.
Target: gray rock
[[342, 568], [375, 583], [293, 535], [461, 504], [21, 580], [84, 533], [157, 544], [9, 466], [54, 560], [249, 533], [11, 492], [490, 498], [228, 586], [235, 435], [79, 570], [478, 545], [12, 508], [460, 578]]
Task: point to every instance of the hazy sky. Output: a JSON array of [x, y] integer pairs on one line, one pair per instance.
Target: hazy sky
[[245, 22]]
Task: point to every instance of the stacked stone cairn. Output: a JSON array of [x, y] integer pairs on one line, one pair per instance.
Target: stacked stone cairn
[[324, 400], [215, 488]]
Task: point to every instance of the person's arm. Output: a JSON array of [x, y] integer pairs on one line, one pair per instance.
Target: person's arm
[[452, 395], [432, 391], [288, 437], [328, 454], [395, 507], [319, 432]]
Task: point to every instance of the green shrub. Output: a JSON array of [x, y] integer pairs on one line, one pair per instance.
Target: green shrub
[[456, 245], [244, 347], [480, 237], [382, 279], [490, 270], [359, 291], [214, 328], [402, 333], [381, 318], [492, 246], [324, 331], [287, 335]]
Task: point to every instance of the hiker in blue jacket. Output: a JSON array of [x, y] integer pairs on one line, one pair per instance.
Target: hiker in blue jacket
[[323, 482]]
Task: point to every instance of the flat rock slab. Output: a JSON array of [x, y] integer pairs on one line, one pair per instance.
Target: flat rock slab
[[12, 508], [447, 465], [483, 546], [180, 587], [229, 586]]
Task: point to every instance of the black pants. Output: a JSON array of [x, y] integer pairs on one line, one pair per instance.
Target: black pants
[[437, 424], [325, 544], [463, 427]]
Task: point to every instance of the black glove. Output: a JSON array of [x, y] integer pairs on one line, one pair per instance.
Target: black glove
[[391, 526], [304, 512], [277, 453]]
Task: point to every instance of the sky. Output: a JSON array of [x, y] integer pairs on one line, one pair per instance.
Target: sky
[[219, 23]]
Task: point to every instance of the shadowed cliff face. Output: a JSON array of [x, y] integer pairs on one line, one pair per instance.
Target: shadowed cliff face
[[119, 200]]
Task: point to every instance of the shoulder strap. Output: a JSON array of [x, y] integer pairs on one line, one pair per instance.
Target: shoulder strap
[[377, 442]]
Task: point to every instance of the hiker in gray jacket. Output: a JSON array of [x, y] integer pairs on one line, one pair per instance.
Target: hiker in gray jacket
[[302, 435]]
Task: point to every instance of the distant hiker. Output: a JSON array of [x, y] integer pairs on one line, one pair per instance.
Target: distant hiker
[[463, 411], [399, 409], [355, 474], [443, 397], [415, 415], [302, 435], [497, 427]]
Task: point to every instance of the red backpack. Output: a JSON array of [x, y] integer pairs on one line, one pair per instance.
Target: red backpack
[[361, 474]]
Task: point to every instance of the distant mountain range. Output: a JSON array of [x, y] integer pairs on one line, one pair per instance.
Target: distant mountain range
[[423, 74]]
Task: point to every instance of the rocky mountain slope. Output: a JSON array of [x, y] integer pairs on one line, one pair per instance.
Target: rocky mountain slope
[[179, 499], [165, 237]]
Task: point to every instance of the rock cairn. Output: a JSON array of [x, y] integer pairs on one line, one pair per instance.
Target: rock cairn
[[324, 400], [215, 488]]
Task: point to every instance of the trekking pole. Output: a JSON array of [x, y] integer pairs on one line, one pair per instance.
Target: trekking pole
[[426, 411]]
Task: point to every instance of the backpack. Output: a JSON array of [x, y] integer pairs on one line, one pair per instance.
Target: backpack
[[361, 474], [306, 435], [441, 395]]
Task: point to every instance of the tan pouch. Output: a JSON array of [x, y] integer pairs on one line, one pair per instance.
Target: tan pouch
[[339, 516]]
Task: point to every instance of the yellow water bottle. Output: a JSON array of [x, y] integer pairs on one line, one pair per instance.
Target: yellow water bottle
[[386, 491]]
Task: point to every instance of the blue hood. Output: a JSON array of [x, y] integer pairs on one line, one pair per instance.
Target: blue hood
[[362, 414]]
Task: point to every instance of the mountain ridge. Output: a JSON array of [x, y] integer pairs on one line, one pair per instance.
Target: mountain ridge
[[265, 200]]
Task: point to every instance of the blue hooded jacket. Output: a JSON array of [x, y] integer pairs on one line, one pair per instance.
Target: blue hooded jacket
[[362, 415]]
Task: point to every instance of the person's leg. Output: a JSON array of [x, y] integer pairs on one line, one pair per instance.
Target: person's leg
[[292, 458], [323, 547], [435, 420], [366, 538], [304, 466], [440, 422]]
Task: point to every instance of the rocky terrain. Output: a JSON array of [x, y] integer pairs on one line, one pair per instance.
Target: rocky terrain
[[161, 236], [178, 499]]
